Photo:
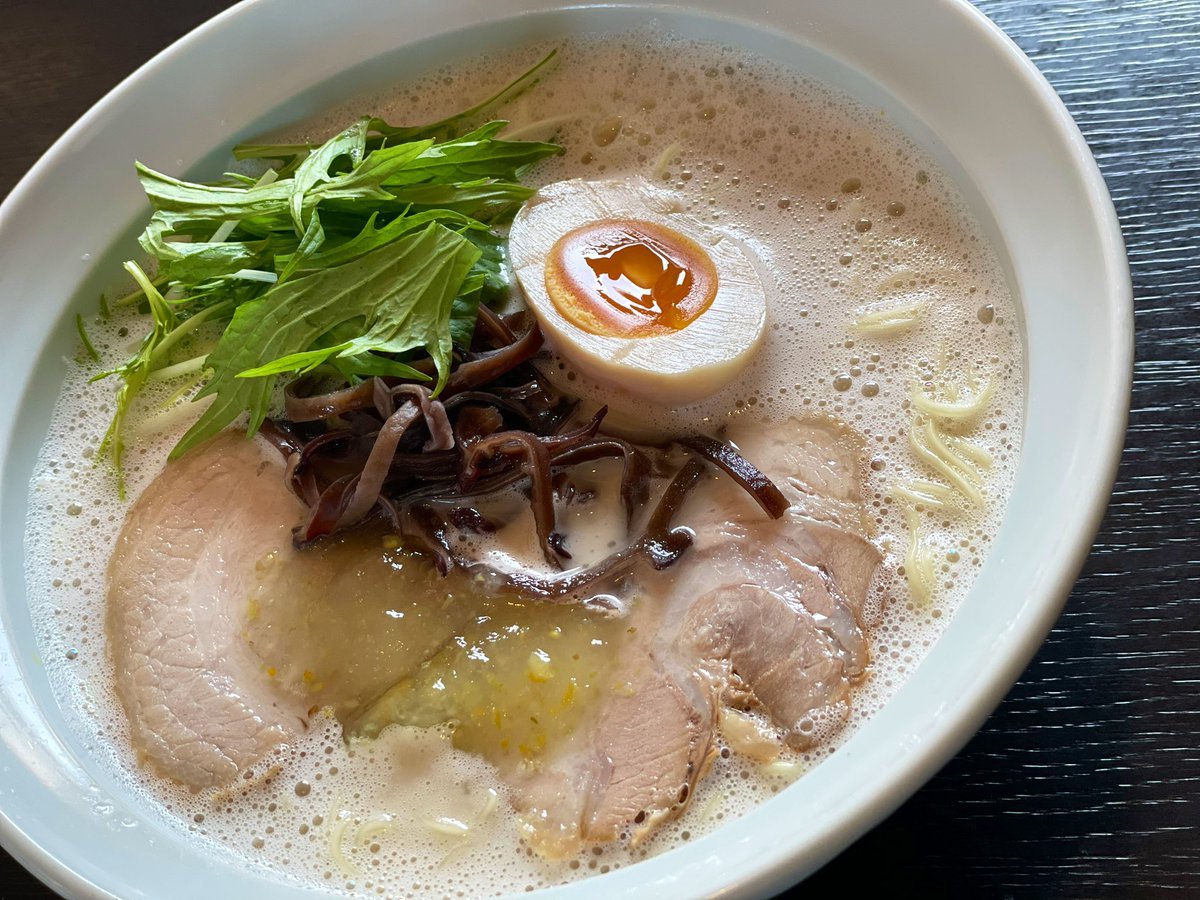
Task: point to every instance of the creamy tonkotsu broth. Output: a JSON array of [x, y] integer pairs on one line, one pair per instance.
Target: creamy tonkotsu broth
[[845, 216]]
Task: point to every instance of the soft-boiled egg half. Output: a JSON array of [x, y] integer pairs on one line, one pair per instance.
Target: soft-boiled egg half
[[635, 294]]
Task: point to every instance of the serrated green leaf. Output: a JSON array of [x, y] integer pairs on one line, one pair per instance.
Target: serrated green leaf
[[445, 128], [402, 291], [133, 373], [215, 202], [472, 157], [88, 347], [439, 130], [492, 265], [487, 201], [314, 237], [371, 237], [348, 144], [463, 315], [192, 262], [366, 180], [367, 364]]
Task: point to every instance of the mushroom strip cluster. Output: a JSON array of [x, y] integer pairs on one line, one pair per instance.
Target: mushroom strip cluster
[[388, 448]]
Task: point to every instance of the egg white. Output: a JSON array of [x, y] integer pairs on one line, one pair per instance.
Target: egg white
[[678, 368]]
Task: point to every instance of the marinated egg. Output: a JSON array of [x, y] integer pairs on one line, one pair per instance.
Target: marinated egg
[[635, 294]]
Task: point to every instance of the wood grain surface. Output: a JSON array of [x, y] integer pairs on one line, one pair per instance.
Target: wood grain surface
[[1086, 781]]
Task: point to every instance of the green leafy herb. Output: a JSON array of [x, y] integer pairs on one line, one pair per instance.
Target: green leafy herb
[[363, 254], [88, 347], [134, 372], [401, 293], [440, 130], [372, 237]]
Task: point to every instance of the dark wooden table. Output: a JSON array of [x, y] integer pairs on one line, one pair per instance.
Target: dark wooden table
[[1086, 780]]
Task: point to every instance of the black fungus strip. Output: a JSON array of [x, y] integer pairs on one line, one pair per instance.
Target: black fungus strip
[[660, 545], [534, 457], [487, 367], [281, 437], [299, 406], [326, 512], [635, 478], [741, 470], [485, 400], [379, 463], [495, 326]]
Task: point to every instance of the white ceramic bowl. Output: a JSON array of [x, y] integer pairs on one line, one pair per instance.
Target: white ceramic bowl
[[938, 67]]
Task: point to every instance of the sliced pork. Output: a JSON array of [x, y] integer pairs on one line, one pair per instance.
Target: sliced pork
[[762, 614], [775, 610], [817, 464], [200, 708], [634, 765], [795, 669]]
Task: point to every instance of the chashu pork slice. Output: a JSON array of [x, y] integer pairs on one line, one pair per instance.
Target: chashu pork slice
[[796, 669], [818, 465], [777, 608], [632, 766], [200, 710]]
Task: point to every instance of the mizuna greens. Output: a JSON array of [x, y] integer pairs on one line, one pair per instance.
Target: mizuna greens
[[363, 255]]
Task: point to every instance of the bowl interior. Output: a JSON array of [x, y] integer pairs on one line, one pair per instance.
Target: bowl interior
[[935, 66]]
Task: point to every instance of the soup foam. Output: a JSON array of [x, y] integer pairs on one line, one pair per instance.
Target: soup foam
[[845, 213]]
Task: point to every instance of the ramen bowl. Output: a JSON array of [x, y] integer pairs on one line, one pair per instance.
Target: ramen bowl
[[938, 68]]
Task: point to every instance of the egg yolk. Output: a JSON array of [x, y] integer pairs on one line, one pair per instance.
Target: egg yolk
[[629, 278]]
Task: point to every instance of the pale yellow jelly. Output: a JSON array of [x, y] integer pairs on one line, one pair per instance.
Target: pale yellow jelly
[[514, 681], [371, 630], [629, 278]]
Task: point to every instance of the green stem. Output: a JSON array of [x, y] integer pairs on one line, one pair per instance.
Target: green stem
[[187, 367], [184, 329], [138, 294]]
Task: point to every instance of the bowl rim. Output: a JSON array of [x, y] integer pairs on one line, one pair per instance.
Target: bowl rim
[[773, 870]]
